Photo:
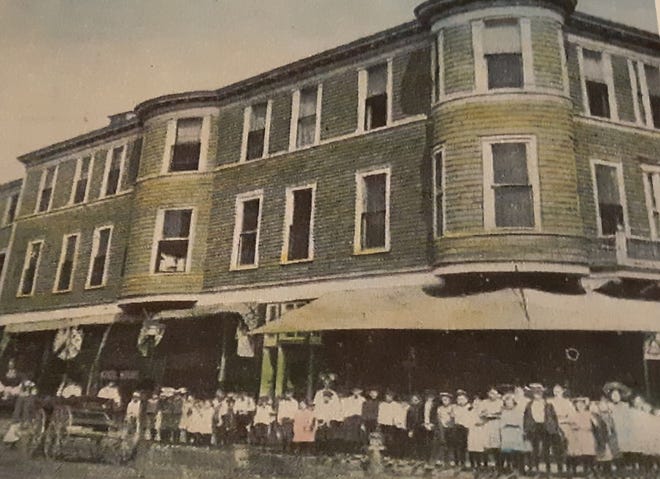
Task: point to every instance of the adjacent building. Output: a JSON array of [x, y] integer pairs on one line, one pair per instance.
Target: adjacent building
[[468, 198]]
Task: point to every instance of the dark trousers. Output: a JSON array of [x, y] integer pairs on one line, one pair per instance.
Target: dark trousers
[[459, 445], [541, 443], [286, 434], [390, 438], [443, 444]]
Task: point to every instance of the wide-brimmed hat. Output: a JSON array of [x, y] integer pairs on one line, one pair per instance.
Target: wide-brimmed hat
[[624, 390], [357, 390], [446, 395], [461, 392], [535, 388], [582, 399]]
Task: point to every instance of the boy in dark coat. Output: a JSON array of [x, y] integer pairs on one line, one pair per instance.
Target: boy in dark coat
[[415, 427], [540, 425]]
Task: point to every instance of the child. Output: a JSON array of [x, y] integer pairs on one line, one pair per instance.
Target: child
[[352, 411], [370, 414], [444, 432], [228, 423], [511, 432], [387, 420], [462, 423], [188, 400], [171, 415], [286, 411], [476, 438], [607, 446], [262, 422], [490, 414], [152, 419], [304, 427], [582, 447]]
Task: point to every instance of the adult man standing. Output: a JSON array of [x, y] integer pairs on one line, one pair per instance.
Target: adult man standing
[[430, 421]]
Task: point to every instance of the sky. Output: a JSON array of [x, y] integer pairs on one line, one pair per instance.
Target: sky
[[68, 64]]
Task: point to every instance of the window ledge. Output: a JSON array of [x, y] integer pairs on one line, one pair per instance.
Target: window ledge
[[367, 252], [170, 273], [92, 288], [64, 291], [68, 206], [22, 296], [244, 268], [296, 261], [627, 125]]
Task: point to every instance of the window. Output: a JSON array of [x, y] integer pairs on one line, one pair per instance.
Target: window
[[3, 258], [66, 265], [98, 266], [114, 169], [299, 217], [305, 121], [173, 243], [187, 146], [81, 181], [510, 183], [502, 48], [596, 85], [12, 207], [652, 190], [608, 186], [653, 85], [256, 131], [30, 267], [376, 96], [246, 231], [46, 188], [373, 199], [438, 193]]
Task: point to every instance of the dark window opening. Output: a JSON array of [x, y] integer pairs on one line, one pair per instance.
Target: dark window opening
[[256, 141], [505, 70], [187, 147], [66, 267], [514, 198], [610, 207], [30, 273], [599, 99], [114, 172], [376, 100], [300, 228], [247, 247], [172, 254], [97, 276], [12, 208], [374, 215], [83, 179]]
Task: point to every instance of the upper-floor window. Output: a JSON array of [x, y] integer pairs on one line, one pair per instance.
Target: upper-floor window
[[81, 180], [12, 207], [67, 263], [306, 117], [597, 83], [256, 131], [187, 148], [46, 188], [502, 48], [511, 188], [114, 170], [30, 268], [652, 192], [3, 259], [652, 74], [299, 221], [245, 252], [608, 190], [438, 192], [173, 232], [375, 96], [373, 211], [98, 264]]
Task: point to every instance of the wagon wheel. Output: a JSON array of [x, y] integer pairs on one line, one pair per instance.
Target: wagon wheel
[[33, 432], [56, 433]]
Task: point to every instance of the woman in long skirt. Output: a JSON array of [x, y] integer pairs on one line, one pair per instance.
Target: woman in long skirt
[[476, 436], [582, 446], [491, 411], [304, 427], [513, 445]]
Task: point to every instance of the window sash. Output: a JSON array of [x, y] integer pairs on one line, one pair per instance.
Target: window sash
[[12, 207], [376, 112], [598, 95], [258, 114], [610, 199], [374, 229], [502, 36], [593, 65], [377, 80], [172, 256], [247, 233], [29, 277], [114, 171], [67, 259], [308, 98], [185, 156], [3, 258], [300, 228], [188, 130], [373, 215], [514, 206], [99, 257], [46, 192], [438, 193], [653, 79], [306, 131], [505, 70], [256, 142], [44, 199], [176, 224]]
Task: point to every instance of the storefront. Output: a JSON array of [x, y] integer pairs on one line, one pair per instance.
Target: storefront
[[408, 340]]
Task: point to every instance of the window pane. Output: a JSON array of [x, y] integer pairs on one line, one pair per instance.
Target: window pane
[[306, 131], [510, 163], [50, 176], [373, 230], [84, 166], [13, 205], [185, 157], [593, 65], [258, 116], [247, 248], [308, 102], [376, 112], [653, 79], [81, 190], [66, 271], [98, 271], [3, 256], [176, 223], [299, 231], [255, 148], [172, 256], [44, 201], [505, 70], [607, 184], [599, 102], [34, 250], [188, 130], [104, 241], [375, 192], [377, 80], [655, 110], [113, 182], [502, 36], [250, 215], [514, 207]]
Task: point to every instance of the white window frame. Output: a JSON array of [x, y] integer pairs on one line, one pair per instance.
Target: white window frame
[[42, 186], [295, 116], [3, 266], [158, 236], [488, 180], [439, 230], [238, 224], [649, 196], [606, 59], [170, 141], [363, 85], [622, 195], [106, 170], [247, 115], [438, 67], [95, 247], [359, 209], [26, 262], [640, 70], [76, 178], [60, 263], [481, 65], [288, 221], [5, 216]]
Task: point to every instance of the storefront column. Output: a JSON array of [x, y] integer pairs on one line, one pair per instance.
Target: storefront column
[[93, 370], [280, 374], [222, 368], [310, 373], [266, 384]]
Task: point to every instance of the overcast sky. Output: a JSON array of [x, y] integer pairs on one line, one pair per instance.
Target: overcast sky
[[67, 64]]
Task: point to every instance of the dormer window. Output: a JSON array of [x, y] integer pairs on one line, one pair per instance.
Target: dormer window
[[503, 53]]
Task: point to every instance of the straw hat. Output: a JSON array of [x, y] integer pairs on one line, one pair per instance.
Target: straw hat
[[624, 390]]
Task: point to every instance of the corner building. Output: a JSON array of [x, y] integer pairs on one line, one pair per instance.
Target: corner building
[[466, 199]]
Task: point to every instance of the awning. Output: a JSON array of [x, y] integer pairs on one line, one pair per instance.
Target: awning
[[30, 322], [410, 308], [201, 311]]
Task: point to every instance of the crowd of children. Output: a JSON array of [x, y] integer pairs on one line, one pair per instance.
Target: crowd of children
[[514, 429]]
